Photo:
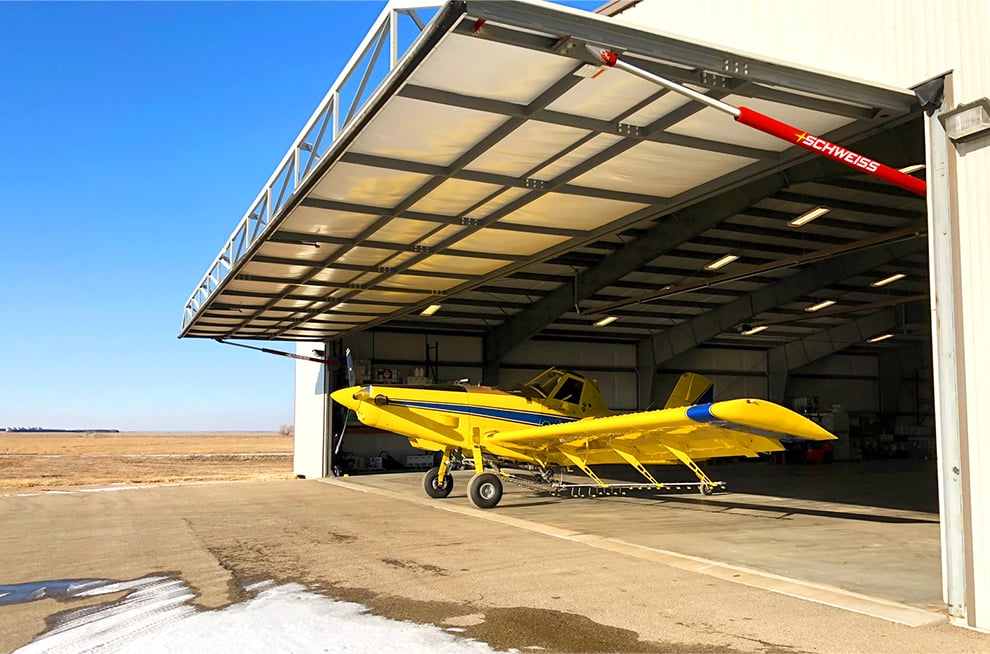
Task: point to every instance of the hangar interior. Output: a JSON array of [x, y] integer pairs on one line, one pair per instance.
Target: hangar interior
[[478, 198]]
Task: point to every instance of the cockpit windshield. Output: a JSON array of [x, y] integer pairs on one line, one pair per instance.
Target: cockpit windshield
[[546, 382], [570, 390], [552, 383]]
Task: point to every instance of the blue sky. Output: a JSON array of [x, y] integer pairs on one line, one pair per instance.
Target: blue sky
[[132, 139]]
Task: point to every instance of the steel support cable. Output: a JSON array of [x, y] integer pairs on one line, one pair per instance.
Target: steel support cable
[[773, 127]]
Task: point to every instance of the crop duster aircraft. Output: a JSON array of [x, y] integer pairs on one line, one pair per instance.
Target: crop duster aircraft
[[558, 419]]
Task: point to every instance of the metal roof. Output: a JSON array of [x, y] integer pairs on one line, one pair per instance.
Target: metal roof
[[495, 169]]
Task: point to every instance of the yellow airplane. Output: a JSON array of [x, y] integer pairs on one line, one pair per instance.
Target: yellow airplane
[[559, 419]]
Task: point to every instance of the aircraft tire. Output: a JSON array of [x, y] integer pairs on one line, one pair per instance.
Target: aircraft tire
[[434, 487], [485, 490]]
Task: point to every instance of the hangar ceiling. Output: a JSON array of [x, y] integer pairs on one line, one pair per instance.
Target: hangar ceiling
[[495, 171]]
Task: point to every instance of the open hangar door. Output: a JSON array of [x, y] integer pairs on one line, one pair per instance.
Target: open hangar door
[[500, 196], [844, 337]]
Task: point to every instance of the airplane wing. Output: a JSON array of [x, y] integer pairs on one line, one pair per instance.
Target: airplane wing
[[706, 430]]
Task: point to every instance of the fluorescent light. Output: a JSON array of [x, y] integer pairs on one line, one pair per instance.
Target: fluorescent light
[[907, 170], [721, 263], [808, 216], [821, 305], [754, 330], [430, 310], [881, 337], [607, 320], [889, 280]]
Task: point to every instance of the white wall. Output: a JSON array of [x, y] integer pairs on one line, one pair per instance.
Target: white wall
[[888, 42], [311, 422]]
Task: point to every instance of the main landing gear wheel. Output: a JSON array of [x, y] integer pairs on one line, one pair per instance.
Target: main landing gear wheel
[[485, 490], [436, 487]]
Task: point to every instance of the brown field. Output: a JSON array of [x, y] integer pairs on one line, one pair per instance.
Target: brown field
[[37, 461]]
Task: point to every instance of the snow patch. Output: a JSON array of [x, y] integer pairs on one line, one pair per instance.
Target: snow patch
[[156, 617]]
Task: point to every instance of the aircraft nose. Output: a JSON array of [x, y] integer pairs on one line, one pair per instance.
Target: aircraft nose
[[346, 397]]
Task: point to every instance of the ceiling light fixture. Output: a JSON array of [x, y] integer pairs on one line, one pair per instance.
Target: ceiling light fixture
[[808, 216], [821, 305], [754, 330], [430, 310], [607, 320], [888, 280], [722, 262], [881, 337], [907, 170]]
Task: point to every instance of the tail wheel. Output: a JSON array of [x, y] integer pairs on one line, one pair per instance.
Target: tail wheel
[[485, 490], [436, 487]]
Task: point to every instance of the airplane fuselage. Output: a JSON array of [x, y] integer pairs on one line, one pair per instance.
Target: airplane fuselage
[[433, 419]]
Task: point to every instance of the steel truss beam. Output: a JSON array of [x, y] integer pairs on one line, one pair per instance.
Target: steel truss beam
[[506, 181], [613, 127], [653, 352], [330, 128], [895, 367], [669, 234], [781, 360], [547, 97], [507, 127], [748, 173], [649, 245], [656, 52], [335, 205]]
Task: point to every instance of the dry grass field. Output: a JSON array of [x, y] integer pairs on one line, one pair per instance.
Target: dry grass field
[[37, 461]]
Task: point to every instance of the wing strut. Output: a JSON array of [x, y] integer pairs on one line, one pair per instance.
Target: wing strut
[[773, 127], [584, 468], [707, 485], [640, 468]]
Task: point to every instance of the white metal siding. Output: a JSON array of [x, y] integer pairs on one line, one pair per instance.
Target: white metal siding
[[311, 420], [973, 172], [571, 355], [889, 42]]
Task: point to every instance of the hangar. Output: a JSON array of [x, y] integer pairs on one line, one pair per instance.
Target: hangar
[[477, 197]]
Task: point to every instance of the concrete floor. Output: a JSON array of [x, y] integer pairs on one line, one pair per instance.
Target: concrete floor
[[537, 572], [891, 554]]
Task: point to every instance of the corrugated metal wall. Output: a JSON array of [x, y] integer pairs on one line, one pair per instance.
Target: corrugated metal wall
[[890, 42]]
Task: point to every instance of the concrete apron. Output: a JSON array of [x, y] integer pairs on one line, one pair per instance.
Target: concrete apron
[[875, 561]]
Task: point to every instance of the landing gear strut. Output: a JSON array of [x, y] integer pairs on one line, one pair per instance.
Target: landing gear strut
[[437, 486]]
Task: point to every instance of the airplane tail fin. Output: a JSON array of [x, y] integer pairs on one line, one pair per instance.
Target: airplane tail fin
[[691, 389]]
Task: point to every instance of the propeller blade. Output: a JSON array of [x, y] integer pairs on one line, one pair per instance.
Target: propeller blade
[[351, 377]]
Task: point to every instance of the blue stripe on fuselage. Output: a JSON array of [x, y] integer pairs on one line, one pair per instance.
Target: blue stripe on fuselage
[[522, 417], [703, 413]]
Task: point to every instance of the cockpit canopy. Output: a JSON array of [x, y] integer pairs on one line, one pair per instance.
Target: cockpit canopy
[[563, 386], [558, 385]]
